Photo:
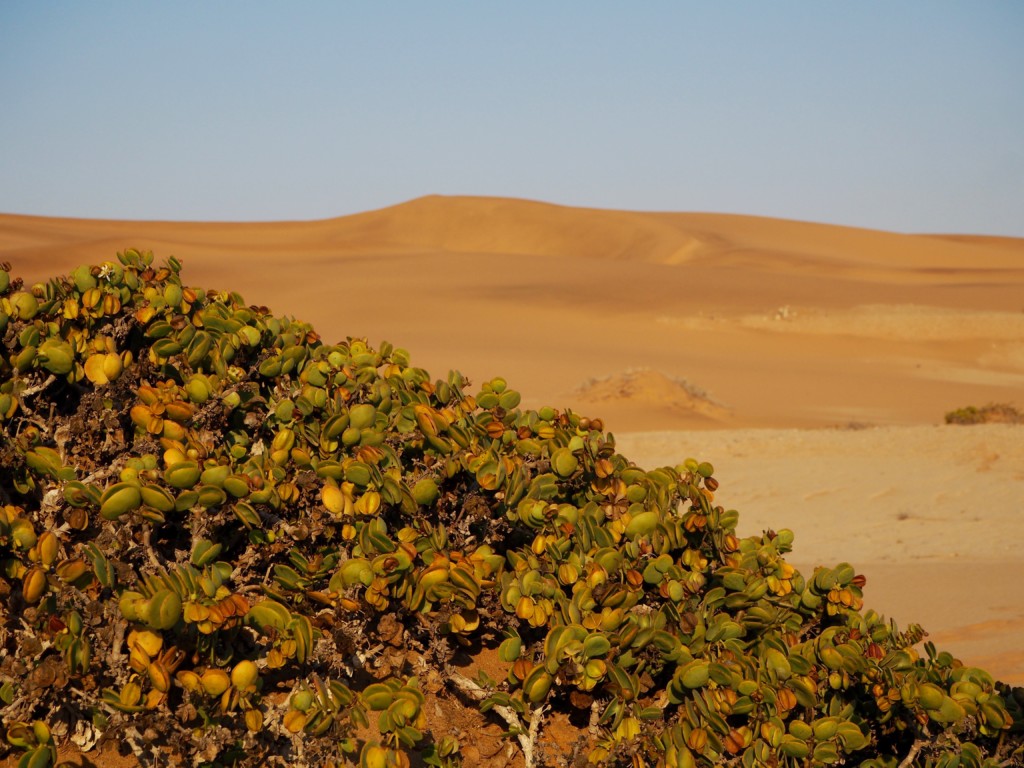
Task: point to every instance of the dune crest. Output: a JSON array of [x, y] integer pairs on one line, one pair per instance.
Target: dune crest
[[507, 226], [510, 226]]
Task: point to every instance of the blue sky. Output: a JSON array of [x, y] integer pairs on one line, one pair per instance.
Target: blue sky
[[905, 116]]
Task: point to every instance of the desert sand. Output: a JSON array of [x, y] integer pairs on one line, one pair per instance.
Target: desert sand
[[812, 364]]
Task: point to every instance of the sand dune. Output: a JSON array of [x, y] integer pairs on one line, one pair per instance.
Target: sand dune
[[765, 332], [560, 295]]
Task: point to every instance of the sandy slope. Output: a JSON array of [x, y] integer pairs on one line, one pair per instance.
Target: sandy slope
[[665, 321]]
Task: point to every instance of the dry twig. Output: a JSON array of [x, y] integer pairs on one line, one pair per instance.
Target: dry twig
[[528, 739], [916, 747]]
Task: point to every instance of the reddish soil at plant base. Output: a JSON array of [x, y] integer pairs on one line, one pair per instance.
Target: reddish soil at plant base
[[482, 737]]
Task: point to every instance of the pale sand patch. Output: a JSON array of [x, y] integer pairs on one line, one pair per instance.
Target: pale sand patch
[[932, 515], [875, 321]]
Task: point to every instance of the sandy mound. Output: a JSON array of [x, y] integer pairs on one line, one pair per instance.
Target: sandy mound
[[650, 390]]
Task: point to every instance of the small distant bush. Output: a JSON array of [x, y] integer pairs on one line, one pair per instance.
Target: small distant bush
[[993, 413]]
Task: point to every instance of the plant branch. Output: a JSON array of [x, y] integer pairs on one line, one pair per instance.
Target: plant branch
[[527, 740], [916, 747]]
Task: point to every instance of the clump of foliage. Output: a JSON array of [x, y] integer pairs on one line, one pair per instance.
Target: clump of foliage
[[993, 413], [212, 521]]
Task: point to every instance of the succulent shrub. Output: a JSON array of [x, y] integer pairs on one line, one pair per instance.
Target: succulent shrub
[[211, 521]]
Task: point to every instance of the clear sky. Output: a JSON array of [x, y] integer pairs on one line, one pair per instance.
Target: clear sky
[[906, 116]]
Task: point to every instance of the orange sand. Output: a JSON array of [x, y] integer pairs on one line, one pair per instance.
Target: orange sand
[[777, 336]]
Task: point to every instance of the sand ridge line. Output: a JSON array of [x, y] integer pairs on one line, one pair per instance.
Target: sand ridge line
[[521, 226]]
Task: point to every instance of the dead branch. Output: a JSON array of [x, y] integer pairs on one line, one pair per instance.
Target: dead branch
[[528, 739]]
